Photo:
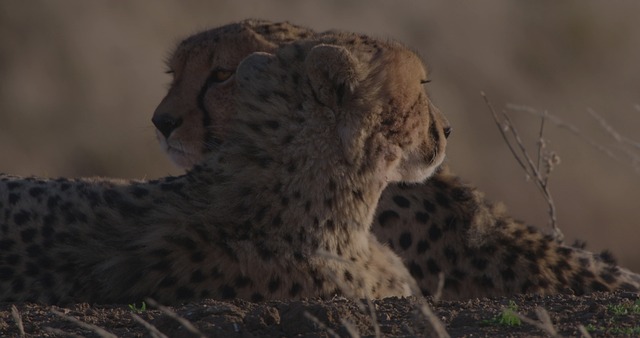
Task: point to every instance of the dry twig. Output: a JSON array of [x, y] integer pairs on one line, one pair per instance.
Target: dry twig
[[521, 155]]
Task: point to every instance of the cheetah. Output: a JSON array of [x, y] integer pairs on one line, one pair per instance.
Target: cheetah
[[263, 217], [441, 227]]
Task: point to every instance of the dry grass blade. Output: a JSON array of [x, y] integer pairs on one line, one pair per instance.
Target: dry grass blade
[[544, 324], [155, 333], [320, 324], [183, 321], [96, 329], [62, 332], [526, 163], [351, 329], [435, 322], [583, 331], [16, 317], [438, 294]]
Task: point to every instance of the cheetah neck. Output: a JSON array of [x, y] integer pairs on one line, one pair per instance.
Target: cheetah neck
[[323, 206]]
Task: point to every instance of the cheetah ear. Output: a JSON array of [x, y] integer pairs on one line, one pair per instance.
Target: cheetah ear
[[332, 71], [333, 74]]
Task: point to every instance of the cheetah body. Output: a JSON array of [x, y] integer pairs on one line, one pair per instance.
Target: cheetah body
[[262, 217]]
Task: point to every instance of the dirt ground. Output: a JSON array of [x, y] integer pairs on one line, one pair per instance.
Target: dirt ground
[[601, 314]]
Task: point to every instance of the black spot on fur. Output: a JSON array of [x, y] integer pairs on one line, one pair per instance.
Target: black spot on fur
[[451, 254], [274, 284], [6, 273], [432, 266], [28, 235], [13, 198], [257, 297], [348, 276], [185, 293], [443, 200], [272, 124], [34, 250], [435, 233], [428, 206], [6, 244], [21, 217], [405, 240], [227, 292], [422, 246], [597, 286], [197, 257], [479, 263], [17, 285], [139, 192], [508, 274], [12, 259], [461, 194], [386, 217], [167, 281], [416, 270], [13, 185], [401, 201], [197, 276], [484, 281], [36, 192], [242, 281], [422, 217], [295, 290]]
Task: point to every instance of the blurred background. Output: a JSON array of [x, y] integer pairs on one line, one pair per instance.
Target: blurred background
[[80, 80]]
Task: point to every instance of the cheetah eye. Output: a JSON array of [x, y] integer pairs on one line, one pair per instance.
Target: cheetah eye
[[425, 81], [220, 75]]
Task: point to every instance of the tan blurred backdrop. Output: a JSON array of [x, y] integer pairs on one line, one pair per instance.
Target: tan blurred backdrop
[[79, 81]]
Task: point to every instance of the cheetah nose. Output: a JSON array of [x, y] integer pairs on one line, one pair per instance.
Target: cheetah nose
[[447, 131], [166, 123]]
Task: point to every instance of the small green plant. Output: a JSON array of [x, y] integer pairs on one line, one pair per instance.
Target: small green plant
[[625, 308], [507, 317], [133, 307]]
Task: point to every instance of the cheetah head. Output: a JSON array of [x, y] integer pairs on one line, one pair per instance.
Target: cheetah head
[[192, 117], [362, 96]]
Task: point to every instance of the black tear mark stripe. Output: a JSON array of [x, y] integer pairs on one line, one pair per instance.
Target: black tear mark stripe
[[206, 117]]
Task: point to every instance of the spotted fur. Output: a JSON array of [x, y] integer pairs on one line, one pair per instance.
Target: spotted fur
[[263, 217], [442, 226]]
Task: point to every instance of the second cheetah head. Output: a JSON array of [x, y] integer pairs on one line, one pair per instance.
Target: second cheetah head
[[360, 97]]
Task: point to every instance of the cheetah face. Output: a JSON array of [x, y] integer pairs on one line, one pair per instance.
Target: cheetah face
[[400, 127], [425, 141], [191, 119]]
